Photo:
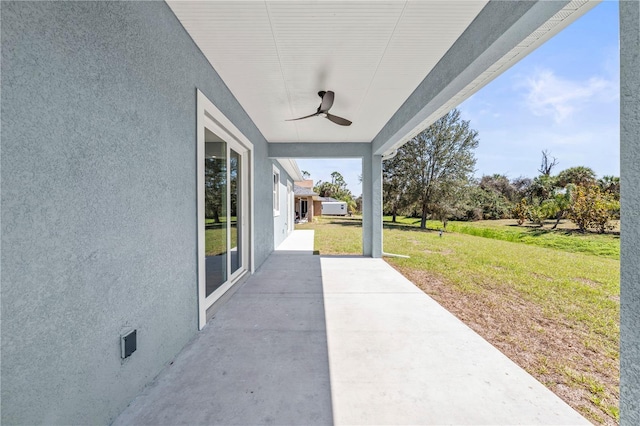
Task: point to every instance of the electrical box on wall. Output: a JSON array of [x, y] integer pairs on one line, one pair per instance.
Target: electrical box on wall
[[128, 343]]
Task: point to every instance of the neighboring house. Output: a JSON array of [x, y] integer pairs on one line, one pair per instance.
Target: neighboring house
[[304, 196], [132, 132]]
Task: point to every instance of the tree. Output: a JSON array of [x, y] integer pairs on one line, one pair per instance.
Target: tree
[[537, 214], [542, 188], [558, 206], [337, 189], [610, 184], [552, 196], [521, 185], [497, 197], [499, 184], [547, 163], [579, 176], [393, 186], [451, 204], [437, 162], [359, 204]]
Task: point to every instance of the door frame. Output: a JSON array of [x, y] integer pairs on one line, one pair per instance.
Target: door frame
[[291, 215], [208, 116]]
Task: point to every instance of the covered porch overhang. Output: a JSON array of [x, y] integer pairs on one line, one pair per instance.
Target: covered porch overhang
[[499, 35]]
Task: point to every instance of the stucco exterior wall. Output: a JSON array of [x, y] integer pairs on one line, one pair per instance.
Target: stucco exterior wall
[[281, 222], [99, 202], [630, 196]]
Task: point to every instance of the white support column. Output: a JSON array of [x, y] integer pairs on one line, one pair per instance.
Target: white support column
[[367, 217], [372, 206], [376, 207], [630, 223]]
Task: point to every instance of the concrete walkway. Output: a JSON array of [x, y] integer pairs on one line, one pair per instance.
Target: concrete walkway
[[345, 340], [300, 241]]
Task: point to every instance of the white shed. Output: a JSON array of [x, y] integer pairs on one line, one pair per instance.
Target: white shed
[[334, 208]]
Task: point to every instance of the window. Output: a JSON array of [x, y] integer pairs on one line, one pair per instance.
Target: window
[[276, 191]]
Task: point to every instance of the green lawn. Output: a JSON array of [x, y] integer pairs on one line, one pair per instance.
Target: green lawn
[[567, 238], [578, 286], [337, 235], [551, 304]]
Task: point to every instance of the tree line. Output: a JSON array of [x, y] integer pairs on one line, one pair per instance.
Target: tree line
[[431, 177], [337, 189]]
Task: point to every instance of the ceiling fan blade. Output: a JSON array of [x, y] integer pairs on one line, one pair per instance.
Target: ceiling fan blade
[[339, 120], [301, 118], [327, 101]]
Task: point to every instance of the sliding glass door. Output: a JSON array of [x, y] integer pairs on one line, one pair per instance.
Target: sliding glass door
[[223, 165], [224, 206]]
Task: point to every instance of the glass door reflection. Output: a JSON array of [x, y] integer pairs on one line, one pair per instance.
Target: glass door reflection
[[215, 188], [235, 210]]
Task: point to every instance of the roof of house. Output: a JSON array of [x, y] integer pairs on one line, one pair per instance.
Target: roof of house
[[301, 191], [325, 199]]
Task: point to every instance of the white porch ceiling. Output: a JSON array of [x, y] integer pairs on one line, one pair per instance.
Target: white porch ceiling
[[276, 56]]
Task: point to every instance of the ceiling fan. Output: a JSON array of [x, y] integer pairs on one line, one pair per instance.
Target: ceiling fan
[[323, 109]]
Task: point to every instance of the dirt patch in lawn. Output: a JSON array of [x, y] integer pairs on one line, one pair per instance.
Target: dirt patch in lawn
[[588, 282], [560, 354]]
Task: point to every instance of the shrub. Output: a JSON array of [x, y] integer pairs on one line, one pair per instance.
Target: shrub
[[520, 211], [592, 208]]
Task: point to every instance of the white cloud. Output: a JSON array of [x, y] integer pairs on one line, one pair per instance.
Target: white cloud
[[550, 95]]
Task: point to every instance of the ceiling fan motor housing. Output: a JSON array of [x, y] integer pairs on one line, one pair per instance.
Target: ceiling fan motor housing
[[323, 110]]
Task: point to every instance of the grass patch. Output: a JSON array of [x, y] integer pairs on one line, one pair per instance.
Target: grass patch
[[566, 238], [337, 235], [575, 286]]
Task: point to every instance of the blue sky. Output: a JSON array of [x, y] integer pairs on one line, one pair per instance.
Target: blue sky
[[563, 97]]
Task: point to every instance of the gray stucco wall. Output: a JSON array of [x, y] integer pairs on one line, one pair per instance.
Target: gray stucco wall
[[630, 192], [281, 222], [98, 194]]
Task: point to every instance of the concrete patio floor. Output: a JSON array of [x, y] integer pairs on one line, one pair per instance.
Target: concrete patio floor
[[345, 340]]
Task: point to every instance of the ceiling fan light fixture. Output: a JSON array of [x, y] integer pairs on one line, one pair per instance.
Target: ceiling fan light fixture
[[323, 110]]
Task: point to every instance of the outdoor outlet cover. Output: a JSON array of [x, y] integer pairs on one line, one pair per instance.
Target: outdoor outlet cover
[[128, 344]]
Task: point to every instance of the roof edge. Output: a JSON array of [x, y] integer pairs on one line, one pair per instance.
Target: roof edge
[[291, 167]]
